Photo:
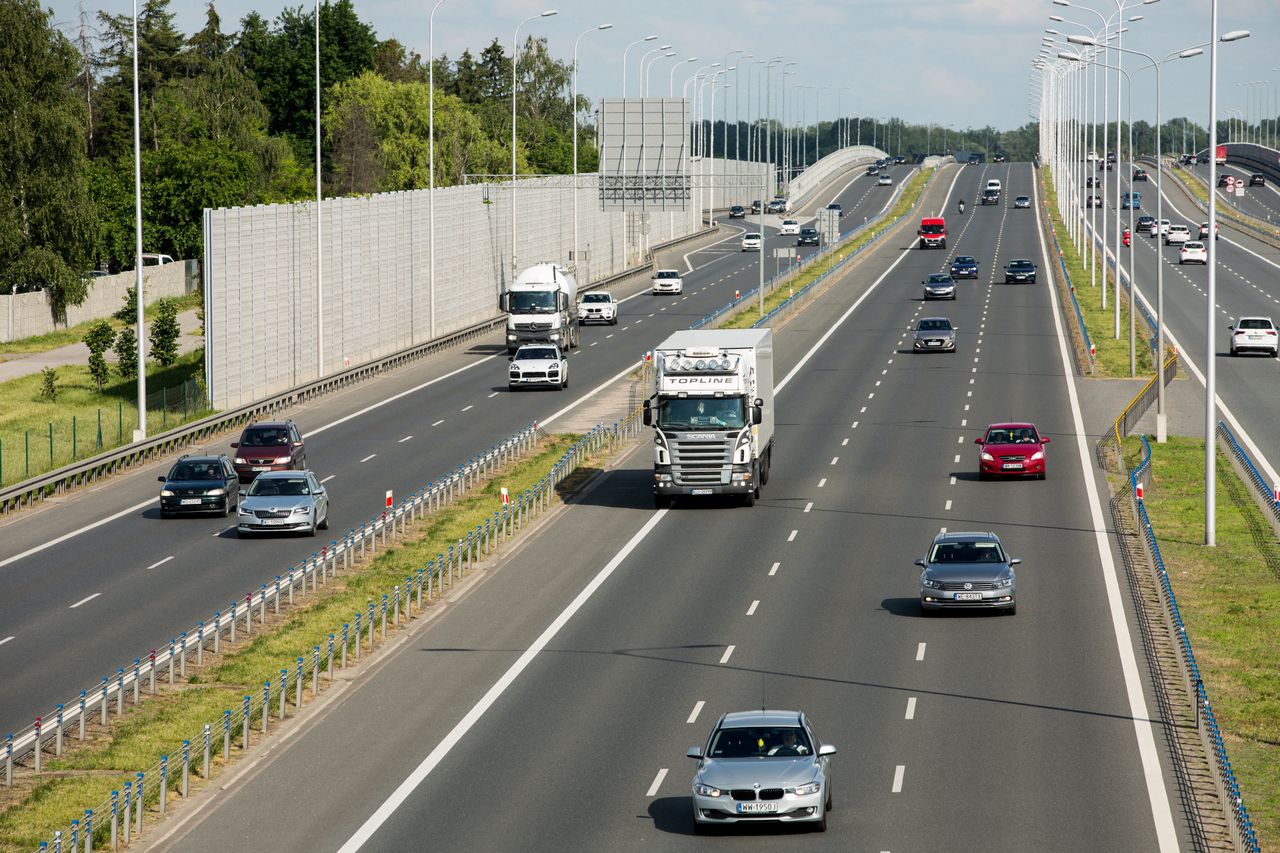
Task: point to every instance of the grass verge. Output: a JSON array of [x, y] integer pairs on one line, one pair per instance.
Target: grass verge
[[75, 334], [1112, 359], [785, 288], [37, 435], [1229, 596], [86, 775]]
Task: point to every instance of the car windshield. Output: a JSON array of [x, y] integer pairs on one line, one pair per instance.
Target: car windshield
[[1253, 323], [273, 437], [196, 471], [279, 486], [1012, 435], [668, 274], [931, 228], [680, 413], [1022, 198], [808, 232], [934, 326], [939, 278], [597, 297], [760, 742], [1020, 265], [536, 354], [975, 551], [533, 302], [964, 260], [751, 236]]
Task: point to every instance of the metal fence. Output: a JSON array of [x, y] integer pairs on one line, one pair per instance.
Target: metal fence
[[120, 818], [1267, 497]]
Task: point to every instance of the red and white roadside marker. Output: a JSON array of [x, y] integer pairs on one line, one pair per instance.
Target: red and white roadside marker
[[506, 498], [388, 499], [1139, 490]]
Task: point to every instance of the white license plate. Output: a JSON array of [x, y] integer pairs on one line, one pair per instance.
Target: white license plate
[[260, 468], [1010, 466], [189, 501], [968, 596], [273, 522], [701, 492], [933, 343], [755, 808]]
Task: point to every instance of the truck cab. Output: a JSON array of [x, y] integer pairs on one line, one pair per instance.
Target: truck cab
[[542, 307], [933, 233]]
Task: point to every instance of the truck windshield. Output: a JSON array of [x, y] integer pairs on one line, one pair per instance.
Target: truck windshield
[[701, 413], [932, 228], [533, 302]]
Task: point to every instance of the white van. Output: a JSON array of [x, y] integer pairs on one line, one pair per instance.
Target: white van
[[993, 184]]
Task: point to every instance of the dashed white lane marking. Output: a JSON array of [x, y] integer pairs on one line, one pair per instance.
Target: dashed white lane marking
[[953, 481], [920, 651], [844, 443], [5, 640], [327, 479], [159, 563], [835, 459], [409, 437], [871, 396], [593, 343], [85, 600], [948, 506], [808, 507], [957, 459], [911, 708], [773, 570], [863, 411], [728, 653], [792, 536], [897, 778], [467, 409], [367, 458], [657, 782], [606, 337], [751, 611], [964, 422], [822, 482], [877, 383], [495, 393], [960, 439], [697, 709], [855, 425]]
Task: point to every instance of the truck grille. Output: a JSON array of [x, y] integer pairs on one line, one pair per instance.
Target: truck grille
[[533, 327], [700, 462]]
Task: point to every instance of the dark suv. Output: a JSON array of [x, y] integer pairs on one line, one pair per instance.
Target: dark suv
[[1257, 179], [737, 212], [269, 446], [199, 484]]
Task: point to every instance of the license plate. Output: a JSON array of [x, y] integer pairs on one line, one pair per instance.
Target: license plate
[[273, 522], [1009, 466], [260, 468], [189, 501], [968, 596], [933, 343], [701, 492], [755, 808]]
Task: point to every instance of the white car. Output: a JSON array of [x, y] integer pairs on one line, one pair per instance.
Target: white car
[[1176, 235], [1193, 252], [668, 281], [538, 364], [598, 307], [790, 226], [752, 242], [1254, 333], [1160, 226], [993, 184], [1204, 231], [884, 181]]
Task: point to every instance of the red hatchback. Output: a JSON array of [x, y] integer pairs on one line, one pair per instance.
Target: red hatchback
[[1012, 449], [269, 446]]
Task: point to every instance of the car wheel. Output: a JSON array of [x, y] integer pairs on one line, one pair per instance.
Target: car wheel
[[1012, 610], [614, 321], [311, 531], [827, 805], [324, 525], [749, 499], [821, 825]]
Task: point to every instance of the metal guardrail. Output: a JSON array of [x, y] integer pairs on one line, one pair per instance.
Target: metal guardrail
[[1264, 495], [1142, 401], [119, 818], [1243, 836]]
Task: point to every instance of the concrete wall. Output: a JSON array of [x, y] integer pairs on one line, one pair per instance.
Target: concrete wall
[[23, 315], [832, 164], [260, 278]]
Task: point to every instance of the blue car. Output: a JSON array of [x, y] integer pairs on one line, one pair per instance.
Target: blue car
[[1131, 200], [964, 266]]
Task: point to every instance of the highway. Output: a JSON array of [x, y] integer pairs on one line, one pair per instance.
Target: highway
[[495, 730], [1262, 203], [91, 581]]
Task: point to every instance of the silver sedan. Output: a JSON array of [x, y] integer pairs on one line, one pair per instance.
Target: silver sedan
[[284, 501], [967, 570], [762, 766], [934, 334]]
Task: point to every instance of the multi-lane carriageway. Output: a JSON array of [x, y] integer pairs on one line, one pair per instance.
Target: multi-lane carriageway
[[550, 707], [89, 584]]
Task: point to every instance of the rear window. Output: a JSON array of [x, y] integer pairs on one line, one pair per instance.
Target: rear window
[[1254, 323]]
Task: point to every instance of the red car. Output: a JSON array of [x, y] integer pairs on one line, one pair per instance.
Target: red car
[[1011, 449], [269, 446]]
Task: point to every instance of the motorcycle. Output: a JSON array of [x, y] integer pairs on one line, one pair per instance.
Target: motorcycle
[[962, 208], [1126, 236]]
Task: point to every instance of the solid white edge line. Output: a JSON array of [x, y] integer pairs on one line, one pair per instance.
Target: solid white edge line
[[1157, 794], [697, 709], [657, 782], [5, 640], [85, 600], [74, 533], [446, 745]]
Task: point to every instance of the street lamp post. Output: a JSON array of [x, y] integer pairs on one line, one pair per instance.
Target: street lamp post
[[573, 105], [514, 63], [644, 57], [627, 49], [646, 71], [141, 432], [431, 163]]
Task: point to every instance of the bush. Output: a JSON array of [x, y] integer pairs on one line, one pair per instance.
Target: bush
[[126, 350], [98, 339], [164, 333], [49, 384], [128, 312]]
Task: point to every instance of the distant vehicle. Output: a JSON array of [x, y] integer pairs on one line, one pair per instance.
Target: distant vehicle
[[790, 227], [994, 184], [990, 196], [1225, 179], [199, 484], [999, 158], [538, 364], [881, 162], [1022, 202], [1091, 181], [899, 160], [1145, 223], [599, 306], [1204, 231], [737, 212], [1254, 333], [964, 266], [779, 205], [1193, 252], [668, 281], [541, 307], [836, 207], [873, 169], [1257, 179], [1158, 228], [283, 501], [1015, 449], [1111, 156], [974, 160], [967, 570], [1140, 174], [1131, 200], [1203, 159], [1020, 271], [1220, 155], [885, 180], [151, 259], [269, 446], [1094, 201], [939, 285], [932, 233], [808, 237], [751, 242], [756, 206], [1176, 235], [934, 334]]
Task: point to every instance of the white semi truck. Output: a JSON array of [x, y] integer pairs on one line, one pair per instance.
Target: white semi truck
[[542, 307], [712, 414]]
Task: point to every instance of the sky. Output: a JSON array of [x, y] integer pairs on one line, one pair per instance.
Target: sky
[[956, 63]]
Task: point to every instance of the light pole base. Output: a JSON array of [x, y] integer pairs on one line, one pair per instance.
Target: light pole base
[[1162, 427]]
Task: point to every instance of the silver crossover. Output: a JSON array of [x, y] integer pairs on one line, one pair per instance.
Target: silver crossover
[[967, 570], [762, 766], [283, 500], [934, 334]]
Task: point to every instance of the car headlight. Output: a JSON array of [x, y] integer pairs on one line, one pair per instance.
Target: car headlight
[[241, 461], [930, 583], [555, 368], [283, 460], [987, 457], [245, 512], [1037, 456], [706, 790], [1005, 582], [166, 493], [216, 493], [806, 789], [301, 510]]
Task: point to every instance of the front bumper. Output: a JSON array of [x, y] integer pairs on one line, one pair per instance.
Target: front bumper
[[247, 472], [790, 809], [668, 288], [253, 524], [934, 345], [1019, 279], [1030, 468], [805, 241], [527, 382], [948, 292], [933, 242], [964, 273], [943, 599], [201, 503], [748, 248], [597, 318]]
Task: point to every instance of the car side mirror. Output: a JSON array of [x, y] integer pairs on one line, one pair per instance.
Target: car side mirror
[[235, 444], [1232, 327], [826, 749], [979, 440], [162, 478], [1015, 561], [1044, 439], [757, 415], [694, 752], [646, 413], [511, 358], [244, 493], [297, 444], [922, 564]]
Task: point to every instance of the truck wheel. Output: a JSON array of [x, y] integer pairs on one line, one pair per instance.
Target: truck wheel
[[749, 499]]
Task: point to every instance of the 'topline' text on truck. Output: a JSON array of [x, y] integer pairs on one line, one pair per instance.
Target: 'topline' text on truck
[[542, 307], [712, 412]]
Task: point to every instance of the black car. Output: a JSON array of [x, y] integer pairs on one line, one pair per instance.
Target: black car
[[1093, 201], [990, 197], [999, 158], [835, 205], [1203, 159], [964, 266], [737, 212], [808, 237], [899, 160], [1145, 223], [199, 484], [1257, 179], [1091, 181], [1140, 175], [1020, 271], [756, 205], [873, 169], [1223, 179]]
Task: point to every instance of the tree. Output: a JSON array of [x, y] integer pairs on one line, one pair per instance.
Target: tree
[[98, 339], [128, 312], [49, 384], [126, 350], [164, 333], [47, 219]]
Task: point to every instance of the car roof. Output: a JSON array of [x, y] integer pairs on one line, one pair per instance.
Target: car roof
[[965, 535], [213, 457], [281, 475], [269, 424], [935, 319], [763, 717], [1255, 317], [677, 272]]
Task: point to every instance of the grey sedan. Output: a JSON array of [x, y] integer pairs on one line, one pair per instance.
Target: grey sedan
[[762, 766], [967, 570], [283, 500], [934, 334], [939, 285]]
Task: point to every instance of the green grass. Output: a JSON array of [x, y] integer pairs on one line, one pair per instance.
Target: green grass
[[26, 418], [1112, 358], [787, 287], [137, 740], [75, 334], [1229, 596]]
